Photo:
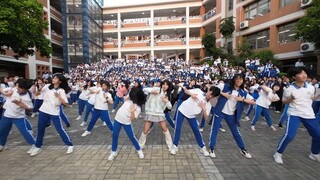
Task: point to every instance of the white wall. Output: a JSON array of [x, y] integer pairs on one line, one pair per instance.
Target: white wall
[[117, 3]]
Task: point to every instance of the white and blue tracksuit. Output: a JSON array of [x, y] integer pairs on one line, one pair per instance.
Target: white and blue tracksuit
[[15, 114], [300, 110], [50, 111], [189, 109], [231, 120]]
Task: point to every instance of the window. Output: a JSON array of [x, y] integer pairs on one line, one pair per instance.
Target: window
[[286, 33], [287, 2], [259, 40], [257, 9]]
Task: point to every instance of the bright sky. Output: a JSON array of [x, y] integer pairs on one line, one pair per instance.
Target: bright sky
[[112, 3]]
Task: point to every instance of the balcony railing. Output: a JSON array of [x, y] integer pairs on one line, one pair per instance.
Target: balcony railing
[[195, 19], [209, 14], [57, 37], [110, 45], [56, 13], [170, 42], [141, 43], [169, 20], [141, 22]]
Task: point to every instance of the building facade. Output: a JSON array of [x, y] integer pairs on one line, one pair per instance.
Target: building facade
[[35, 66], [82, 31], [174, 29]]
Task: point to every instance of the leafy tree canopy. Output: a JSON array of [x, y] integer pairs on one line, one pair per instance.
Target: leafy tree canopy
[[227, 27], [208, 41], [21, 28], [308, 27]]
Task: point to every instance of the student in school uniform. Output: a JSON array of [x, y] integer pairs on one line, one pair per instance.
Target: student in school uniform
[[157, 102], [90, 102], [84, 97], [38, 90], [127, 113], [229, 107], [198, 102], [50, 111], [18, 101], [299, 96], [101, 107], [266, 97]]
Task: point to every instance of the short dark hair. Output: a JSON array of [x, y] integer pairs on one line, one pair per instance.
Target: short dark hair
[[297, 70], [137, 96], [215, 91]]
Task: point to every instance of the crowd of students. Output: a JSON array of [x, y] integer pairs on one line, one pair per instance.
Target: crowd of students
[[154, 88]]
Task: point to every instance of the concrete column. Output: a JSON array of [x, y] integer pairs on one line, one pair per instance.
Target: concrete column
[[187, 35], [152, 34], [119, 35]]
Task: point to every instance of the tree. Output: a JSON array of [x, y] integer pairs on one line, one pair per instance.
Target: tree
[[21, 28], [227, 27], [209, 42], [308, 27], [244, 49]]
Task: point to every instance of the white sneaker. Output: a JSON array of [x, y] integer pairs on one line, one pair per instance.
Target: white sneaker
[[247, 118], [33, 115], [78, 118], [222, 130], [273, 128], [104, 123], [315, 157], [201, 129], [212, 154], [2, 148], [35, 151], [252, 128], [86, 133], [204, 151], [112, 155], [70, 150], [140, 153], [31, 149], [113, 110], [83, 123], [246, 154], [174, 150], [278, 158]]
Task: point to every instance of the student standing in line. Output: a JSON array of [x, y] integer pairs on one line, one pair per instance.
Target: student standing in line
[[156, 104], [266, 97], [127, 113], [84, 97], [198, 102], [299, 96], [50, 111], [101, 108], [18, 101], [229, 107]]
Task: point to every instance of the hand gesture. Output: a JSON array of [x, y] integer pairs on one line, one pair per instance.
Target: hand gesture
[[17, 102], [202, 105], [57, 95], [164, 99], [238, 98], [133, 108]]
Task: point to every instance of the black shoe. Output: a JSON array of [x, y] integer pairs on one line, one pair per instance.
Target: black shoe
[[280, 125], [48, 125], [68, 125]]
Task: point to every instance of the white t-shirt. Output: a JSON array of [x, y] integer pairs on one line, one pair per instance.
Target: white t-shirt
[[231, 104], [51, 104], [15, 111], [190, 107], [92, 96], [100, 101], [85, 95], [302, 104], [265, 100], [43, 91], [123, 115]]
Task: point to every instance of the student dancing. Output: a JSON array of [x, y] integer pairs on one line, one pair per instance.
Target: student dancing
[[50, 111], [299, 96], [127, 113]]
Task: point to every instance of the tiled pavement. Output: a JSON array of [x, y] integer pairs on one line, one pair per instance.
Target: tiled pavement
[[89, 160]]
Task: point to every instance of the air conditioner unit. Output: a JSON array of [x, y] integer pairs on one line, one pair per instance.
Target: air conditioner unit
[[244, 24], [306, 47], [305, 3]]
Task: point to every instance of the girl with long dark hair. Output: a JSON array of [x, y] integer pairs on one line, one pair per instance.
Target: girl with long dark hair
[[127, 113], [50, 111]]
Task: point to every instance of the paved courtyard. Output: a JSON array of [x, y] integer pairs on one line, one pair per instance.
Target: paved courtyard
[[89, 160]]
